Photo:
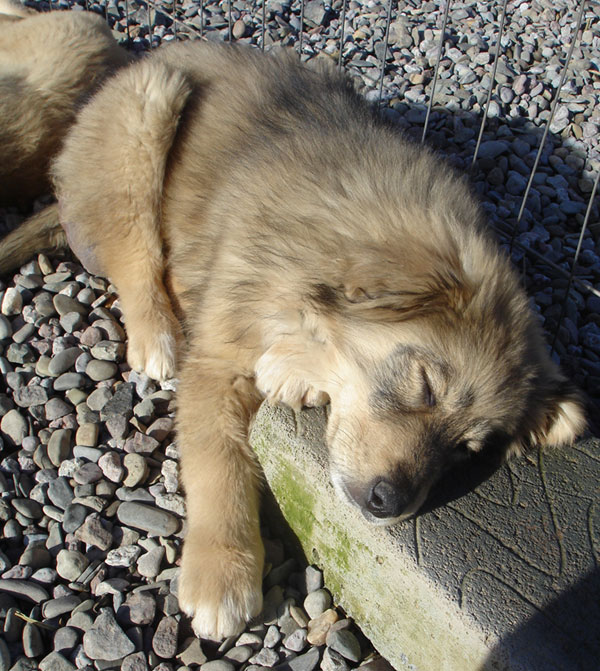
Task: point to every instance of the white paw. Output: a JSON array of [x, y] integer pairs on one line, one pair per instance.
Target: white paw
[[220, 588], [228, 617], [155, 354], [279, 382]]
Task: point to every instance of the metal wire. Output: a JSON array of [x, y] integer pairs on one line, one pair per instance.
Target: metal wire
[[574, 264], [437, 67], [385, 50], [301, 26], [492, 80], [549, 121], [342, 35], [263, 24]]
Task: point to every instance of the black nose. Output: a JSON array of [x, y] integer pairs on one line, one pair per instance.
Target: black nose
[[386, 500]]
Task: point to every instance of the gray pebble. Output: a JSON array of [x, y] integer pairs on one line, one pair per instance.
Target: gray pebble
[[164, 641], [135, 662], [14, 426], [100, 370], [27, 508], [33, 645], [296, 641], [149, 564], [5, 328], [272, 637], [35, 556], [60, 363], [265, 657], [65, 304], [105, 640], [305, 662], [60, 492], [218, 665], [55, 662], [88, 473], [60, 606], [70, 564], [317, 602], [68, 381], [22, 589], [12, 302], [57, 408], [30, 395], [65, 640], [93, 532], [333, 661], [98, 399], [344, 642], [108, 350], [59, 446], [239, 654], [192, 653], [74, 517], [154, 521], [139, 608]]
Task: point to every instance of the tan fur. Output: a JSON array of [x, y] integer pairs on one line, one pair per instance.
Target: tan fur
[[313, 255], [48, 64]]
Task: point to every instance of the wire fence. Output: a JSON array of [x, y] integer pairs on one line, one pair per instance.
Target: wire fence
[[508, 91]]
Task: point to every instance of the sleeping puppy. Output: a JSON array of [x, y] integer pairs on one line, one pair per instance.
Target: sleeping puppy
[[48, 64], [270, 237]]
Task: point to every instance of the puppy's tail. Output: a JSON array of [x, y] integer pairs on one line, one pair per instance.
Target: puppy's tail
[[40, 233]]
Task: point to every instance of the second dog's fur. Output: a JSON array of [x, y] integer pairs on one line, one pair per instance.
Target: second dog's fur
[[49, 63], [309, 254]]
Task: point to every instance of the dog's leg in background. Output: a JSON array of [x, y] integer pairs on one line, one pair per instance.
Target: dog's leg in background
[[220, 585], [109, 182]]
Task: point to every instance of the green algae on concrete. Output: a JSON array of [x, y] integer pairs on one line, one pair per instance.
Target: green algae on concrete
[[371, 577]]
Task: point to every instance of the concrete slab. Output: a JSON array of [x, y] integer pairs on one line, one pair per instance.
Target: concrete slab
[[501, 571]]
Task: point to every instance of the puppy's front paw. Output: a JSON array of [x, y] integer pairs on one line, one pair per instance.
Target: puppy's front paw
[[220, 588], [280, 382], [153, 350]]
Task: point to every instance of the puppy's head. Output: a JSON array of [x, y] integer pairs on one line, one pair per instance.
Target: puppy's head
[[430, 361]]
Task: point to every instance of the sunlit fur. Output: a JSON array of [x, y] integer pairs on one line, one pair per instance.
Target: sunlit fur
[[310, 254], [49, 63]]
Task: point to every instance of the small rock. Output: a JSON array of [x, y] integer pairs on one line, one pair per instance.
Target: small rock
[[317, 602], [164, 641], [192, 653], [92, 532], [125, 556], [12, 302], [59, 446], [318, 628], [136, 470], [70, 564], [55, 662], [344, 642], [100, 370], [154, 521], [14, 426], [149, 564], [333, 661], [105, 640]]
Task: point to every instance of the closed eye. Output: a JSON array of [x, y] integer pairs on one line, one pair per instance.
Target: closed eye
[[428, 395]]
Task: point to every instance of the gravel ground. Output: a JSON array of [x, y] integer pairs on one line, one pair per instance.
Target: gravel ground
[[91, 517]]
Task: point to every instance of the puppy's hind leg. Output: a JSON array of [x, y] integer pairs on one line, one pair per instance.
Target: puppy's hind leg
[[109, 182]]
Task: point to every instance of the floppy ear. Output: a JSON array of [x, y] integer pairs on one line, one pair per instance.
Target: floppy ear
[[563, 420], [379, 285]]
